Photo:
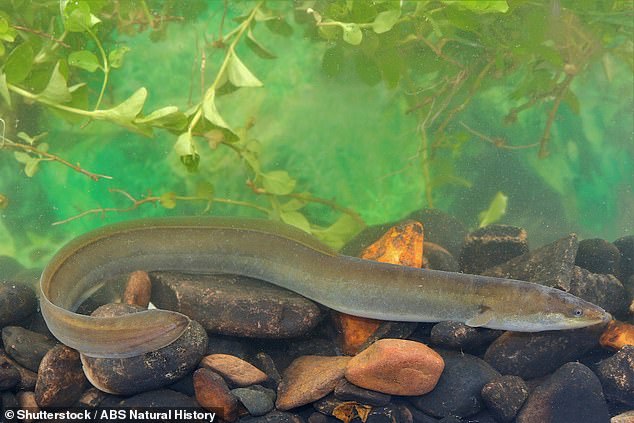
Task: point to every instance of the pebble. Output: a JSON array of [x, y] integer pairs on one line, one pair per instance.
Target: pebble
[[236, 305], [438, 258], [626, 261], [617, 335], [218, 344], [257, 399], [138, 290], [27, 377], [308, 379], [616, 374], [390, 414], [235, 370], [531, 355], [274, 417], [504, 396], [92, 397], [397, 367], [627, 417], [158, 399], [492, 245], [17, 301], [264, 362], [25, 346], [8, 400], [9, 375], [26, 399], [550, 265], [598, 256], [442, 229], [459, 336], [317, 417], [571, 394], [60, 379], [458, 390], [9, 267], [606, 291], [155, 369], [346, 391], [213, 394]]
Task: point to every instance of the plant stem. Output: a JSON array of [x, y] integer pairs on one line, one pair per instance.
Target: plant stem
[[228, 56], [106, 67], [49, 156]]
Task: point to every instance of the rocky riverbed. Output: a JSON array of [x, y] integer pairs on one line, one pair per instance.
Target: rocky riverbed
[[261, 354]]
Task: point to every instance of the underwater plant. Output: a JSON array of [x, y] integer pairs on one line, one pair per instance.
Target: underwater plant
[[216, 103]]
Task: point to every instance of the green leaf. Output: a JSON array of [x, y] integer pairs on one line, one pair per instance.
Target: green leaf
[[185, 145], [167, 117], [31, 167], [22, 157], [293, 204], [77, 16], [496, 210], [352, 33], [340, 232], [211, 114], [296, 219], [480, 6], [19, 63], [258, 48], [167, 200], [6, 32], [278, 182], [56, 90], [384, 21], [127, 111], [115, 57], [205, 190], [279, 26], [84, 59], [239, 75], [4, 89]]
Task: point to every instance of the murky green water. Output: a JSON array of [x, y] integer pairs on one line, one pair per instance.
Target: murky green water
[[333, 115]]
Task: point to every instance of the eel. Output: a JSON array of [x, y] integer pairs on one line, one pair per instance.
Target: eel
[[287, 257]]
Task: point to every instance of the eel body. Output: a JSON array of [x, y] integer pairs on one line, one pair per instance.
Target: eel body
[[287, 257]]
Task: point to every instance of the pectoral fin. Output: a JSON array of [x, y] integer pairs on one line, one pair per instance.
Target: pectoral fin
[[482, 318]]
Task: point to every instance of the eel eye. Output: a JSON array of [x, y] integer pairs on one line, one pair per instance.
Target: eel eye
[[577, 312]]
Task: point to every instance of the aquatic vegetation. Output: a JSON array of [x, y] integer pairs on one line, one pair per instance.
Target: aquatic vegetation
[[425, 86]]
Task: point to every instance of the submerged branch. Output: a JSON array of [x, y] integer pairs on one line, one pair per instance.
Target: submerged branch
[[497, 142], [6, 143], [153, 199]]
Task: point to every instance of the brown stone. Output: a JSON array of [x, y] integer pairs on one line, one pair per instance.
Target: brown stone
[[27, 377], [235, 305], [138, 289], [617, 334], [60, 379], [26, 400], [401, 244], [152, 370], [213, 394], [308, 379], [236, 370], [397, 367]]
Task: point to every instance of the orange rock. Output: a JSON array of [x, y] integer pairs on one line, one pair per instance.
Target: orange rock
[[396, 367], [212, 393], [308, 379], [617, 334], [402, 244], [138, 289], [234, 369]]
